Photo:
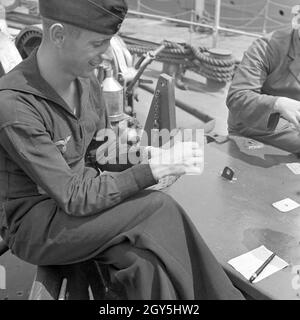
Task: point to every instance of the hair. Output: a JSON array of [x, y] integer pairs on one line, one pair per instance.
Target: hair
[[72, 30]]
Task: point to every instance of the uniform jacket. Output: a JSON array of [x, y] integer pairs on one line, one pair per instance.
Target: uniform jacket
[[43, 146], [270, 68]]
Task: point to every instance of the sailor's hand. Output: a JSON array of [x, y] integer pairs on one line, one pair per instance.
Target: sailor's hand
[[289, 109], [182, 158]]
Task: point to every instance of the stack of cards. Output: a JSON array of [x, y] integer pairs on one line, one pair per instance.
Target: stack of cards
[[253, 144]]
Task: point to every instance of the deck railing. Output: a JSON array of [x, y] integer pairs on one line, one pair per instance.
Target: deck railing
[[215, 25]]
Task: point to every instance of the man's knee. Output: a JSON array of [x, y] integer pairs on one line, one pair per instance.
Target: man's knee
[[162, 199]]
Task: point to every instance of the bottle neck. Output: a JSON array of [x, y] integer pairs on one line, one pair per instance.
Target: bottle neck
[[109, 73]]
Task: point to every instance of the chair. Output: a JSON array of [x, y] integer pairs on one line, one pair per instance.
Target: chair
[[87, 280]]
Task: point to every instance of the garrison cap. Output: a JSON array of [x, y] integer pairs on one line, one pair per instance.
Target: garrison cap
[[102, 16]]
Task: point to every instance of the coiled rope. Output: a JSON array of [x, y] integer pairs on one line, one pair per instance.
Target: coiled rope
[[197, 59]]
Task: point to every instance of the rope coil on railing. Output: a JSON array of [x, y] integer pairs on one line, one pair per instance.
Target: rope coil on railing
[[218, 69], [143, 50], [202, 56]]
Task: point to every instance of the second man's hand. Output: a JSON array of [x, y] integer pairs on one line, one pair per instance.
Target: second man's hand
[[289, 109]]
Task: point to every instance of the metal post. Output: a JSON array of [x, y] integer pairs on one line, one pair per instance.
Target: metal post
[[138, 9], [266, 13], [192, 28], [192, 19], [217, 22], [199, 7]]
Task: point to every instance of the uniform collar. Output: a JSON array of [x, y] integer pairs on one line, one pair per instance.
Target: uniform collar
[[26, 77]]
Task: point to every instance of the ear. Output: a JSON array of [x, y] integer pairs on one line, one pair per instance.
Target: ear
[[57, 33]]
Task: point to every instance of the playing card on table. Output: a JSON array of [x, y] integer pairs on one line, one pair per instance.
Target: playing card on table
[[294, 167], [253, 144], [286, 205]]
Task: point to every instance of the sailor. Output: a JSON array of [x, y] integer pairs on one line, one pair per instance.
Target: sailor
[[57, 211], [264, 97]]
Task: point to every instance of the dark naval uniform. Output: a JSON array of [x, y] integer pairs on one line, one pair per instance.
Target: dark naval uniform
[[270, 68], [55, 210]]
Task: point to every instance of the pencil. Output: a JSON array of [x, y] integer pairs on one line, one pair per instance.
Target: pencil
[[262, 267]]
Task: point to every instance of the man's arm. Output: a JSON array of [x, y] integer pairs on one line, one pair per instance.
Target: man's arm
[[245, 100], [78, 194]]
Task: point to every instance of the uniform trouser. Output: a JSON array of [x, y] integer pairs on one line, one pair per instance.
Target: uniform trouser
[[285, 136], [149, 243]]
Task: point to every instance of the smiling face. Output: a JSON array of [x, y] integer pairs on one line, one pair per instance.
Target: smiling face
[[82, 51]]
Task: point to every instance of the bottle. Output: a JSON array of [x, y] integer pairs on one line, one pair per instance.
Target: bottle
[[113, 96]]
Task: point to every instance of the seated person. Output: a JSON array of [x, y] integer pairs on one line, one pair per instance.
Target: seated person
[[54, 209], [264, 97]]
